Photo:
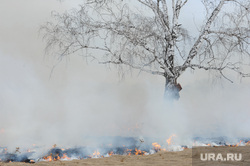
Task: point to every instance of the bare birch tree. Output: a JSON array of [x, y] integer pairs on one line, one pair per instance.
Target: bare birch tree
[[148, 35]]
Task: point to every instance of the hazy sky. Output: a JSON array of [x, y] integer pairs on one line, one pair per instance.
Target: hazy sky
[[79, 99]]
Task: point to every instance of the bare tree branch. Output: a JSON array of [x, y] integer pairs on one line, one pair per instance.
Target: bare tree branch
[[153, 39]]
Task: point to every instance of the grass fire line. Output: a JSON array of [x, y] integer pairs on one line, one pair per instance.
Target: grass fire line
[[140, 148]]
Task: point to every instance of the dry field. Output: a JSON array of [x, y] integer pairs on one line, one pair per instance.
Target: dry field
[[183, 158]]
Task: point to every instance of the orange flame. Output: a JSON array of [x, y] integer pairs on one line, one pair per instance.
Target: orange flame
[[111, 153], [235, 145], [65, 157], [129, 151], [96, 154], [169, 140], [156, 146], [48, 158], [238, 143], [57, 157], [139, 152]]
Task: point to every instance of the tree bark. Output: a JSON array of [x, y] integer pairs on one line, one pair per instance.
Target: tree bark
[[172, 89]]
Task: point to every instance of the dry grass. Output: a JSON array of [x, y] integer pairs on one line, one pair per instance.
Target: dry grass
[[183, 158]]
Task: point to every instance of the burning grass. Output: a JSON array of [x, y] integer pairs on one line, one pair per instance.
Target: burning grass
[[136, 148], [162, 158]]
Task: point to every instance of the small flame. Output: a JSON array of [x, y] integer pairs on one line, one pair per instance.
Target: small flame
[[157, 147], [57, 157], [48, 158], [111, 153], [139, 152], [65, 157], [169, 140], [129, 151], [238, 143], [96, 154]]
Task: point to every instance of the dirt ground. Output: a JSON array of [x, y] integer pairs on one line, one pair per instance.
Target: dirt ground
[[183, 158]]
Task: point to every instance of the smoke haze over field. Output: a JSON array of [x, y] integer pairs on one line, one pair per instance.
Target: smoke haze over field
[[80, 100]]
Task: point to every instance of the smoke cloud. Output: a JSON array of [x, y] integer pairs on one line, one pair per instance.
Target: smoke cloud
[[45, 102]]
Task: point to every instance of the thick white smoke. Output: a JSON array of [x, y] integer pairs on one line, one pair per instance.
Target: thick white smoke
[[80, 100]]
